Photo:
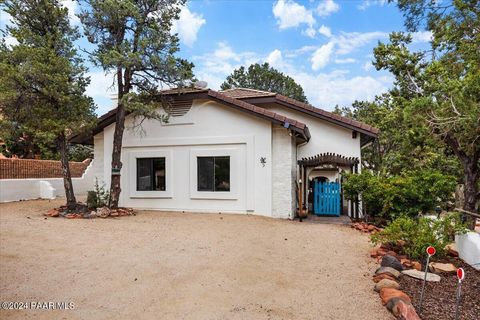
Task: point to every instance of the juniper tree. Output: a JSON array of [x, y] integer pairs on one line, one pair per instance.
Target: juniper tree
[[133, 41], [439, 87], [42, 87]]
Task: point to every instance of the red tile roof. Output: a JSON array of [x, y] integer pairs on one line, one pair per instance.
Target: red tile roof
[[251, 95]]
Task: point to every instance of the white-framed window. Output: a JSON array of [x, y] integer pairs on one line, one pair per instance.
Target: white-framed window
[[150, 174], [212, 174]]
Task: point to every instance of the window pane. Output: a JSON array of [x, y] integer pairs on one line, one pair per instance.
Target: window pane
[[159, 174], [151, 174], [144, 178], [205, 174], [222, 173]]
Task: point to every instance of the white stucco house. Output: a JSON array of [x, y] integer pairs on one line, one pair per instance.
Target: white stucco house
[[238, 151]]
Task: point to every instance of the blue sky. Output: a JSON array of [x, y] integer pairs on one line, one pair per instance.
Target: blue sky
[[326, 46]]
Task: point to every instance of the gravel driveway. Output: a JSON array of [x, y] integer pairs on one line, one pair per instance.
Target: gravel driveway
[[183, 266]]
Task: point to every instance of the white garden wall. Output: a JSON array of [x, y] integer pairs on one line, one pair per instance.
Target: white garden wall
[[27, 189]]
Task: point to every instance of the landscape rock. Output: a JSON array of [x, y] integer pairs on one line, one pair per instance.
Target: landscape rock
[[103, 212], [392, 262], [405, 311], [380, 277], [53, 213], [390, 271], [438, 267], [388, 293], [417, 265], [420, 274], [386, 283], [452, 249]]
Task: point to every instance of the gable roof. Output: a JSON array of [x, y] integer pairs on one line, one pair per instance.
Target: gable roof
[[259, 97], [298, 128]]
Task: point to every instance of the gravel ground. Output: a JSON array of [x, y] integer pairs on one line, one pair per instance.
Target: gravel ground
[[440, 297], [183, 266]]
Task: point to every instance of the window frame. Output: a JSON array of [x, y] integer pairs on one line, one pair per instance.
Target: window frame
[[133, 192], [214, 173], [152, 173], [234, 178]]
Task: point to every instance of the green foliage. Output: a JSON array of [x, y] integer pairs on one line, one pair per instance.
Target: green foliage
[[417, 234], [79, 152], [410, 193], [98, 197], [264, 77], [43, 79]]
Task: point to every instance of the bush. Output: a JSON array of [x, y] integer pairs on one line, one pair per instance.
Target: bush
[[416, 234], [407, 194], [99, 197]]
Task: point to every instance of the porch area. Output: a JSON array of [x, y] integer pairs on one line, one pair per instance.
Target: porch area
[[319, 188]]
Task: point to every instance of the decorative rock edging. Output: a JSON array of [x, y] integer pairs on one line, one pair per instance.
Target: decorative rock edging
[[365, 227], [83, 213], [395, 300]]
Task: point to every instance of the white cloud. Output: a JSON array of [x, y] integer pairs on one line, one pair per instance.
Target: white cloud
[[309, 32], [368, 3], [326, 90], [188, 25], [348, 42], [327, 7], [346, 60], [325, 31], [10, 41], [322, 56], [275, 58], [290, 14], [422, 36], [71, 5], [4, 18], [367, 66], [101, 89]]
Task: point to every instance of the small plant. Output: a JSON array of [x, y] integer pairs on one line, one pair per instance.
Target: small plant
[[98, 197], [416, 234]]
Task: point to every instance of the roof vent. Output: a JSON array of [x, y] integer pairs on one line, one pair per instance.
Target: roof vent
[[180, 108]]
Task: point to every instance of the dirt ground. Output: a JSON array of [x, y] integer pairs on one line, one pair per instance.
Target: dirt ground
[[183, 266]]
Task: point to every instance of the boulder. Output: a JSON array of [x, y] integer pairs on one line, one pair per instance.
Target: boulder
[[452, 249], [379, 277], [438, 267], [392, 262], [406, 311], [420, 275], [388, 293], [386, 283], [390, 271], [402, 309]]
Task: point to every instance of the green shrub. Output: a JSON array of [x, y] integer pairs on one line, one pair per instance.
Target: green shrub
[[407, 194], [416, 234], [98, 197]]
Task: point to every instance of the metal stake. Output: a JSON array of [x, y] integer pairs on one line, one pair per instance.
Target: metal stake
[[423, 285], [457, 307]]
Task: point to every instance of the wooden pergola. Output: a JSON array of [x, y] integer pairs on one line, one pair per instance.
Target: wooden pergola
[[322, 159]]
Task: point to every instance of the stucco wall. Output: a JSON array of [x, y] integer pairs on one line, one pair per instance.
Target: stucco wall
[[283, 173], [50, 188], [207, 127]]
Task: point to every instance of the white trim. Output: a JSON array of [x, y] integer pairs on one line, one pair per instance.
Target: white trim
[[234, 178], [133, 155]]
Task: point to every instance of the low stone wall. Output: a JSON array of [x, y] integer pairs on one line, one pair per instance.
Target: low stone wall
[[34, 169]]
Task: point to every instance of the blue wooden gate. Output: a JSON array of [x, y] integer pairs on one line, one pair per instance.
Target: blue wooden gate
[[326, 198]]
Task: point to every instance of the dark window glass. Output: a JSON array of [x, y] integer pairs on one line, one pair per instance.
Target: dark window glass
[[151, 174], [213, 173]]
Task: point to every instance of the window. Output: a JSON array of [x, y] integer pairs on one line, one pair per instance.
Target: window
[[151, 174], [213, 173]]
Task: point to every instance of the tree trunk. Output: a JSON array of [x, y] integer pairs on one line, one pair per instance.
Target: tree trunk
[[471, 168], [67, 178]]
